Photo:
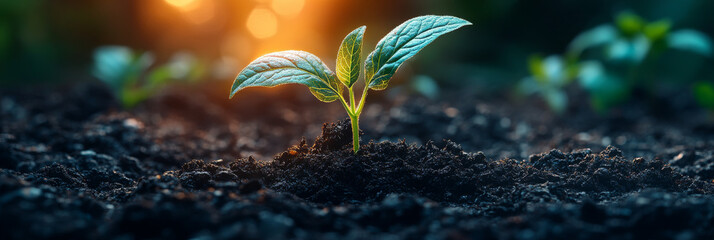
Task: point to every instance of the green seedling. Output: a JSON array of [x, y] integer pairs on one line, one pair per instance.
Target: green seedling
[[548, 77], [132, 78], [286, 67]]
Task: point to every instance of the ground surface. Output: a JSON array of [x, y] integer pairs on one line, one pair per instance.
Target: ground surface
[[190, 164]]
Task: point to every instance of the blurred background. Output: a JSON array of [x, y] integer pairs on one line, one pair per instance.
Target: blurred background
[[54, 41]]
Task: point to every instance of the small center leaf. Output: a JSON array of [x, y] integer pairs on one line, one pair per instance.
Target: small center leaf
[[348, 57]]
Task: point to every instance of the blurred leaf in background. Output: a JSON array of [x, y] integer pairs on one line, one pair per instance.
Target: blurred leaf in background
[[185, 66], [425, 86], [549, 76], [5, 39], [630, 51], [131, 78], [118, 66], [690, 40], [25, 46], [704, 93], [605, 89], [45, 41]]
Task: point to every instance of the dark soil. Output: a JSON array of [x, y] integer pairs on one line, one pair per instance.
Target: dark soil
[[73, 165]]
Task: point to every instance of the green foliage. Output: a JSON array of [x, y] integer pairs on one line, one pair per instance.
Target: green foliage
[[131, 77], [290, 67], [348, 57], [658, 30], [629, 23], [690, 40], [405, 41], [287, 67], [605, 89], [548, 77], [5, 39], [627, 48], [704, 93], [425, 85]]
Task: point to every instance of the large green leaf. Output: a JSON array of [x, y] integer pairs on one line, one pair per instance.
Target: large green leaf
[[600, 35], [289, 67], [690, 40], [348, 57], [405, 41]]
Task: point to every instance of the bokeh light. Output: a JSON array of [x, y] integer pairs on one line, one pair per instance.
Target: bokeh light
[[185, 4], [195, 11], [288, 8], [262, 23]]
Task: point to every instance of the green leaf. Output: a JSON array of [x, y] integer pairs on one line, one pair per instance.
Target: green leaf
[[130, 98], [405, 41], [629, 23], [181, 64], [557, 100], [704, 93], [528, 86], [348, 57], [555, 71], [158, 77], [289, 67], [119, 66], [606, 90], [597, 36], [535, 65], [111, 63], [690, 40], [425, 85], [629, 50], [657, 30]]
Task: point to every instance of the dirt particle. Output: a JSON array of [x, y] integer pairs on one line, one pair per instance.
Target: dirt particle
[[684, 159], [451, 112], [133, 123]]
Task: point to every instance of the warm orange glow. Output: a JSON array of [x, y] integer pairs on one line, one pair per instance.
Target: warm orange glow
[[195, 11], [262, 23], [182, 4], [288, 8], [202, 13], [236, 45]]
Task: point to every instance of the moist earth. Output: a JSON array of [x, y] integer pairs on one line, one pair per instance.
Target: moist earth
[[186, 164]]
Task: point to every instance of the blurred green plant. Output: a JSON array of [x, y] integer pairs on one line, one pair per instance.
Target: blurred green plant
[[627, 50], [548, 78], [425, 85], [402, 43], [27, 50], [132, 78], [704, 94]]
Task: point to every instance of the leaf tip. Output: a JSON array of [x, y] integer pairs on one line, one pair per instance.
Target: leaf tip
[[464, 22], [232, 93], [234, 89]]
